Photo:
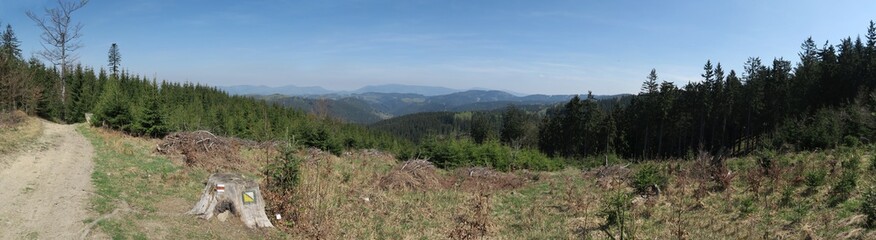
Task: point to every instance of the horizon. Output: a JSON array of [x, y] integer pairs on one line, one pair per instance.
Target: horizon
[[557, 47]]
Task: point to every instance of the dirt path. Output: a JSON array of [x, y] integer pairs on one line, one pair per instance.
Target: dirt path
[[44, 191]]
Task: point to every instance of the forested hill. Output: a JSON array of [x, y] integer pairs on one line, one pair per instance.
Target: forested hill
[[825, 100], [419, 126], [371, 107], [144, 107]]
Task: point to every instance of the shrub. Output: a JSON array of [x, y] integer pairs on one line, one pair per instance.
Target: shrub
[[797, 214], [851, 141], [787, 196], [821, 130], [465, 153], [815, 178], [847, 183], [112, 109], [717, 170], [768, 164], [873, 164], [649, 178], [284, 173], [868, 208], [745, 205], [616, 211], [319, 137]]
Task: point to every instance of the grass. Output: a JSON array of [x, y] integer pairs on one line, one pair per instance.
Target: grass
[[339, 198], [16, 135], [150, 192]]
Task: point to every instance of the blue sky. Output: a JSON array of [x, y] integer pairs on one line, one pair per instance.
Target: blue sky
[[553, 47]]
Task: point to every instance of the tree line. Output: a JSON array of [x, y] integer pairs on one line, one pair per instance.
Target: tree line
[[147, 107], [825, 100]]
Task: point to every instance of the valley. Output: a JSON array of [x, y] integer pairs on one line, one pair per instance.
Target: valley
[[437, 120], [371, 107]]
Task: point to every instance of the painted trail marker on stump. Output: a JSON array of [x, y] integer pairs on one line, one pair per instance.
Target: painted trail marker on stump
[[249, 197], [231, 192]]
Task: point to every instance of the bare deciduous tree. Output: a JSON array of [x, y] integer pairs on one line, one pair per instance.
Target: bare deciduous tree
[[60, 36]]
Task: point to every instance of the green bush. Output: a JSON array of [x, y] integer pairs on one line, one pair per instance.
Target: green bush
[[873, 164], [851, 141], [112, 109], [648, 177], [868, 207], [787, 197], [745, 205], [797, 213], [843, 188], [319, 137], [766, 162], [616, 211], [465, 153], [818, 131], [115, 116], [815, 178], [284, 172]]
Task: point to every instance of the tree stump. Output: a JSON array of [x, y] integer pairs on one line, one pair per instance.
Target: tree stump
[[232, 192]]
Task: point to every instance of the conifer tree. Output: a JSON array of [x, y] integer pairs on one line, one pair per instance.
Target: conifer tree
[[113, 110], [9, 44], [115, 59], [150, 121], [650, 86], [513, 129]]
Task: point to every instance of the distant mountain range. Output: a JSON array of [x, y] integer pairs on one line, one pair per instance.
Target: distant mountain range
[[369, 106], [401, 88], [292, 90], [284, 90]]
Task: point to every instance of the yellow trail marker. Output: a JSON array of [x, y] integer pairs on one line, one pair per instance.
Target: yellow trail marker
[[248, 197]]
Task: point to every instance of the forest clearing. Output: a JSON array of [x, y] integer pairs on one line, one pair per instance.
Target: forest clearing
[[369, 194]]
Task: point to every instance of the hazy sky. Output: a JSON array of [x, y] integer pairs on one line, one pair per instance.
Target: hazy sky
[[549, 47]]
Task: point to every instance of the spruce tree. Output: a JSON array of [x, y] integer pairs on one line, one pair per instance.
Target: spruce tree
[[112, 109], [650, 86], [513, 129], [150, 121], [115, 59], [10, 46], [480, 130]]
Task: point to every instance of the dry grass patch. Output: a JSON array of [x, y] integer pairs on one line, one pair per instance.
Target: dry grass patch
[[610, 177], [370, 195], [481, 179], [17, 130], [151, 193], [416, 175]]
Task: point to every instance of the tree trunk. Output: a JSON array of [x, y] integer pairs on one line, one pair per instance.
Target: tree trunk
[[232, 192], [660, 140]]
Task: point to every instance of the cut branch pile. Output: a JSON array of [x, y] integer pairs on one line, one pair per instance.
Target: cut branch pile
[[479, 179], [609, 177], [412, 175], [204, 149]]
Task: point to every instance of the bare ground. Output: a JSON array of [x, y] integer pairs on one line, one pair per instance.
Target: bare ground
[[45, 189]]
